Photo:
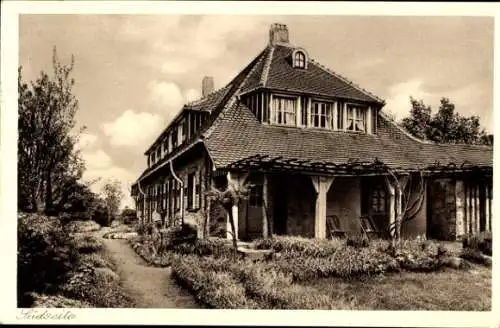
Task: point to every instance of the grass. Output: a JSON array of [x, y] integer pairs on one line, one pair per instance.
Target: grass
[[310, 274], [438, 291]]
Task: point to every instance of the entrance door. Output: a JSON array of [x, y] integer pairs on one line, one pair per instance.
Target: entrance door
[[254, 212], [280, 206]]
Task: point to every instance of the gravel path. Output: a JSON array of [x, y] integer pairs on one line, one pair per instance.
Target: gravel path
[[151, 287]]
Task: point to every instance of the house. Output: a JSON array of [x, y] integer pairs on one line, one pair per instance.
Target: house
[[320, 156]]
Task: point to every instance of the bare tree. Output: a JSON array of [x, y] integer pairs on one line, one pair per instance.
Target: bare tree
[[409, 197], [231, 196]]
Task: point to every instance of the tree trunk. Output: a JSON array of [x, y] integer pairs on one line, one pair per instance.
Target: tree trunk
[[206, 230], [48, 192], [233, 231]]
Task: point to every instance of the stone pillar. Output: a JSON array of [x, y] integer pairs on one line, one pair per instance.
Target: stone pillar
[[265, 221], [472, 198], [460, 208], [478, 210], [321, 185], [392, 208], [487, 207], [398, 210]]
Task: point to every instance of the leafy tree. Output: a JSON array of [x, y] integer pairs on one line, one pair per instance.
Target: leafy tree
[[113, 195], [47, 159], [418, 123], [446, 126]]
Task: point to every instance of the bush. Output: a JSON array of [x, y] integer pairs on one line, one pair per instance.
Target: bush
[[299, 246], [358, 241], [56, 301], [96, 261], [80, 226], [45, 255], [482, 242], [86, 244], [475, 256], [214, 288]]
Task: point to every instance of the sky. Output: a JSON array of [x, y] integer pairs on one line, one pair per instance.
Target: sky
[[133, 73]]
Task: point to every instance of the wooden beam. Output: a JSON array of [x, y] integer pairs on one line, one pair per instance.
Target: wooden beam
[[321, 185]]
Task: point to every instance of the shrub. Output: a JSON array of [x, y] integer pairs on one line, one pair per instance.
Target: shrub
[[481, 242], [358, 241], [299, 246], [56, 301], [82, 226], [214, 288], [96, 260], [476, 256], [45, 255], [87, 244]]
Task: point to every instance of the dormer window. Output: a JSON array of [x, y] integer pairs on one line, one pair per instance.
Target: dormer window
[[299, 59], [356, 118], [284, 110], [322, 115]]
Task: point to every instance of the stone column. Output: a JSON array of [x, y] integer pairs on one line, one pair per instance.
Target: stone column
[[478, 210], [460, 208], [265, 221], [321, 185], [487, 207]]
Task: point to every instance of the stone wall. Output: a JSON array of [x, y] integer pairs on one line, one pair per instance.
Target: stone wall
[[344, 201], [418, 225], [442, 212], [301, 206]]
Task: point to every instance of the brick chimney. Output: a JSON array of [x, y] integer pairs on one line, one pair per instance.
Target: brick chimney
[[207, 85], [278, 33]]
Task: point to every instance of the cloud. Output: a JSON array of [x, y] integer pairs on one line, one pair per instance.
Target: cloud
[[96, 159], [100, 168], [166, 95], [398, 102], [133, 129], [85, 141], [192, 94]]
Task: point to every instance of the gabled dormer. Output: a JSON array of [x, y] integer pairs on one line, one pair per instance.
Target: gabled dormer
[[288, 88]]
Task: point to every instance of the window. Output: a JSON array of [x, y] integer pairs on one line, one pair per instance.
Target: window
[[165, 146], [322, 115], [378, 204], [158, 153], [153, 158], [356, 118], [255, 196], [299, 60], [174, 137], [284, 110]]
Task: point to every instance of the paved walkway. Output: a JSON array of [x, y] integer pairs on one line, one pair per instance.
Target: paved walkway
[[151, 287]]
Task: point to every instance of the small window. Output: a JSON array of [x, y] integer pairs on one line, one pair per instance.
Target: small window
[[378, 200], [322, 115], [299, 60], [158, 153], [283, 110], [255, 196], [174, 138], [356, 118]]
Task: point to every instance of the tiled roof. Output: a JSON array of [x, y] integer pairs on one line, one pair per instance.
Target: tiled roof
[[209, 102], [276, 72], [233, 133], [239, 135]]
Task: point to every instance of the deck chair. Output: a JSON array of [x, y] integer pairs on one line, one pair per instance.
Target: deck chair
[[334, 226], [368, 227]]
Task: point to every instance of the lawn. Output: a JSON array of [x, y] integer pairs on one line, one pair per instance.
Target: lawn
[[450, 289]]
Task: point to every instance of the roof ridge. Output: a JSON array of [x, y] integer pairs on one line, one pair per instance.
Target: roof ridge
[[200, 100], [235, 95], [346, 80], [406, 133], [267, 66]]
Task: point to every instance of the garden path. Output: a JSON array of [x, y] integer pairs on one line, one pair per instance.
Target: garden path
[[151, 287]]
